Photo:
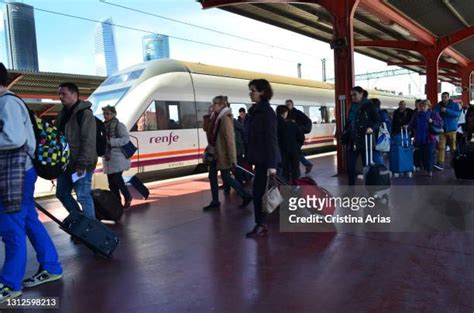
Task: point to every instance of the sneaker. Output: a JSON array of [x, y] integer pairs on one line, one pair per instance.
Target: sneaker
[[41, 277], [211, 207], [6, 293], [438, 166], [308, 169]]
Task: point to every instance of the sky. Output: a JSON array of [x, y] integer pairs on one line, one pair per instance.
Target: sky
[[66, 44]]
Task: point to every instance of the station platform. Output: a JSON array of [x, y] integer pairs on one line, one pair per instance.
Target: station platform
[[173, 257]]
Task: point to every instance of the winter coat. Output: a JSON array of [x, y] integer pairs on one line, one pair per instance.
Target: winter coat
[[367, 116], [303, 121], [15, 126], [290, 138], [117, 162], [450, 116], [226, 154], [239, 137], [401, 119], [262, 146], [423, 134], [80, 136]]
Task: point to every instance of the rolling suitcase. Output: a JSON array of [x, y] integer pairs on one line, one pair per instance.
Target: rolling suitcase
[[137, 189], [107, 206], [95, 235], [377, 176], [463, 162], [308, 188], [401, 154]]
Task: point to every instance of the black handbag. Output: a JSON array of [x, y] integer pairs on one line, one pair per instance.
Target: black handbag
[[128, 149]]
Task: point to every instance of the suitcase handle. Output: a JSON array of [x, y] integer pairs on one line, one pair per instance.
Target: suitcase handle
[[51, 216], [404, 131], [368, 150]]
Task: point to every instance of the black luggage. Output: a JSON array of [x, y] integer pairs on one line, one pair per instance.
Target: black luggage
[[136, 187], [376, 175], [95, 235], [463, 161], [107, 205]]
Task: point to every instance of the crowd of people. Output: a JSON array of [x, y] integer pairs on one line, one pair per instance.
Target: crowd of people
[[429, 126], [259, 144]]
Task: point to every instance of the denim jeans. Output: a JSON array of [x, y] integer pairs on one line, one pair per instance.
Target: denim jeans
[[227, 179], [82, 187], [427, 156], [304, 161], [14, 228]]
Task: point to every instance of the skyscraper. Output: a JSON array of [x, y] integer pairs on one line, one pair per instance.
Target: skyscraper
[[20, 36], [105, 54], [155, 46]]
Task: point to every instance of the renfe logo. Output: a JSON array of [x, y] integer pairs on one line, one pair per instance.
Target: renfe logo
[[162, 139]]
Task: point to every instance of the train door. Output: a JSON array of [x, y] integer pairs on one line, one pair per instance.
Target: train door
[[167, 135]]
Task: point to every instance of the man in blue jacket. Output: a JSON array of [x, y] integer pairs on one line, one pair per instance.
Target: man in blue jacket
[[449, 111]]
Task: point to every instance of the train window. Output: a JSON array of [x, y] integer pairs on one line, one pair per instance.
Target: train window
[[332, 115], [300, 107], [235, 107], [148, 120], [187, 114], [315, 114], [173, 116], [121, 78], [159, 116], [102, 99]]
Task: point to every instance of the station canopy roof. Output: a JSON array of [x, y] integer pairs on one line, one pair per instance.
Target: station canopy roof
[[44, 85], [424, 21], [34, 87]]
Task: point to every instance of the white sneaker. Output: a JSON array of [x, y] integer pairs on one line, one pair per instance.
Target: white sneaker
[[6, 293]]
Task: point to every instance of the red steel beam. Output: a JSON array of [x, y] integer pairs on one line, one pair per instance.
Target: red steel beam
[[396, 44], [386, 12], [454, 38], [207, 4], [441, 64], [15, 79]]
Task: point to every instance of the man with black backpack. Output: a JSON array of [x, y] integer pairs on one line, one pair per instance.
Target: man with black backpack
[[78, 123], [305, 124], [18, 217]]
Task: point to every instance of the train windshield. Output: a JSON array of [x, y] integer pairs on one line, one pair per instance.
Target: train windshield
[[102, 99]]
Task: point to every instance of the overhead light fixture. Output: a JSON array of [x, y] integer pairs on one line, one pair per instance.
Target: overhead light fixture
[[400, 30]]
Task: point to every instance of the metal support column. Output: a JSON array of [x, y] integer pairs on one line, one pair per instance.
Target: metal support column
[[466, 87], [343, 45], [431, 58]]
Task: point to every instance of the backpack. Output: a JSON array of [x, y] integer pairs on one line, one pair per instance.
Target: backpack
[[305, 123], [100, 135], [52, 150]]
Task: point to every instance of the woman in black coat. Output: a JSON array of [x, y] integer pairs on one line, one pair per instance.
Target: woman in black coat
[[262, 148]]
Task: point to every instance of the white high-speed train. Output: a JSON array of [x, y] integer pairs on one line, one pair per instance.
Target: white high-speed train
[[163, 102]]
